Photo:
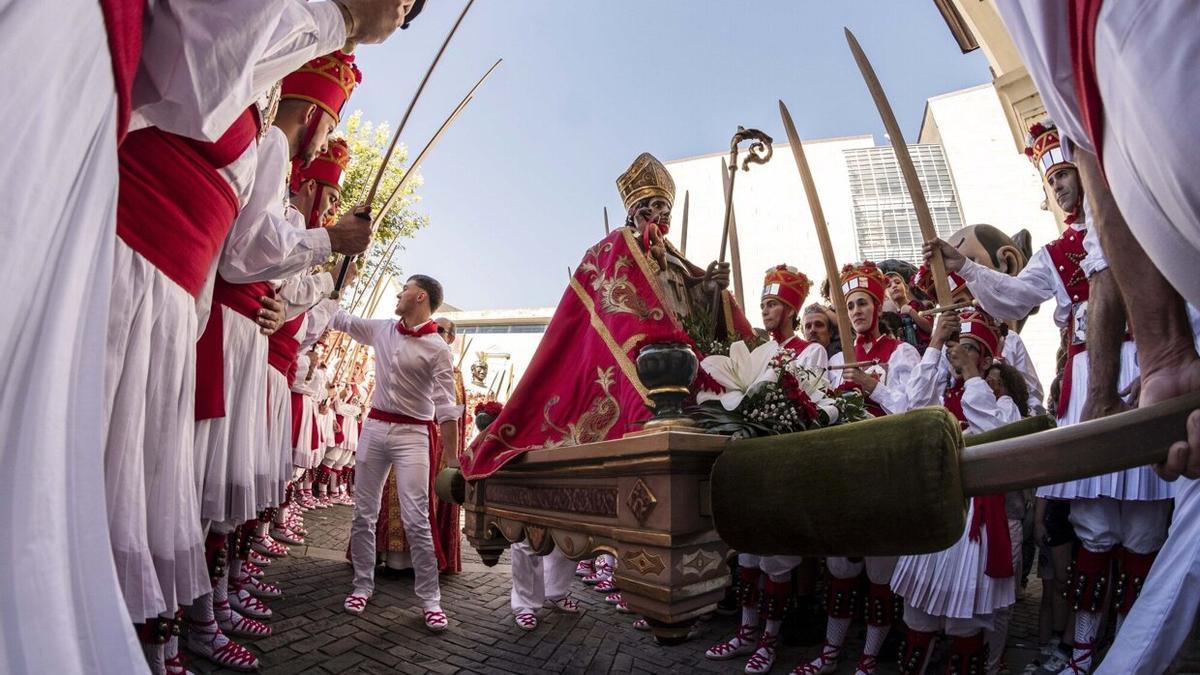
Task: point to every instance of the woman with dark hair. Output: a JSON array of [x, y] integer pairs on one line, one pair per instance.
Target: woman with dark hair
[[1006, 380]]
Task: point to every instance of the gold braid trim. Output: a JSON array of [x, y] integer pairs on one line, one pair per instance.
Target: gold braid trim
[[619, 355]]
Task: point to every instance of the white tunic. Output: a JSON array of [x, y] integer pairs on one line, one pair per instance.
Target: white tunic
[[204, 61], [891, 393], [1016, 355], [414, 376], [952, 583]]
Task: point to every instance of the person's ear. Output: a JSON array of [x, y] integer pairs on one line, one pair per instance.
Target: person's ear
[[1010, 260]]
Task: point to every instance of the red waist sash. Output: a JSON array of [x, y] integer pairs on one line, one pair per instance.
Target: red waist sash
[[989, 515], [210, 348], [339, 434], [297, 415], [173, 207], [397, 418], [434, 458], [123, 24], [283, 348]]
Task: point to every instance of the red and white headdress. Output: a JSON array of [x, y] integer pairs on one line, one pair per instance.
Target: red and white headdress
[[864, 278], [326, 81], [923, 280], [326, 169], [979, 327], [787, 284], [1045, 149]]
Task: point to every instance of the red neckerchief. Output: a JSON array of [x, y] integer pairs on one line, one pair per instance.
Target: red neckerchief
[[426, 328], [800, 343]]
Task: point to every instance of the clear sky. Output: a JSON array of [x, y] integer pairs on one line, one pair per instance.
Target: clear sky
[[515, 189]]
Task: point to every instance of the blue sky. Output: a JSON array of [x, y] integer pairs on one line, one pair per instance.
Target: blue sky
[[515, 189]]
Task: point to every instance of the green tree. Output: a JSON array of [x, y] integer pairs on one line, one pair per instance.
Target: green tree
[[367, 144]]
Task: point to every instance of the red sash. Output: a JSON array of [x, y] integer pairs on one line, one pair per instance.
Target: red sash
[[173, 207], [882, 349], [283, 348], [339, 435], [1081, 32], [210, 348], [123, 24], [297, 415], [796, 344], [989, 514]]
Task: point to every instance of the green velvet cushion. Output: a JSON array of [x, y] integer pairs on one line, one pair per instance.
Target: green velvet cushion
[[886, 486], [1029, 425]]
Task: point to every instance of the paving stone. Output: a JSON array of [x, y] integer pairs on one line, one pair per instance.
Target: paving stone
[[311, 633]]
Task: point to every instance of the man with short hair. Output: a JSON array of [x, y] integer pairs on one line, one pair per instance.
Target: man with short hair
[[819, 328], [414, 395]]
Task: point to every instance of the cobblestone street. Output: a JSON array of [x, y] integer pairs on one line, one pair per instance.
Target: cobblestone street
[[313, 634]]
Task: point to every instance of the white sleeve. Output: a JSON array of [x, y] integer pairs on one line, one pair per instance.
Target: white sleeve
[[1011, 298], [1017, 356], [814, 357], [316, 321], [834, 374], [362, 330], [982, 410], [263, 244], [445, 402], [892, 394], [927, 383], [303, 291], [205, 61]]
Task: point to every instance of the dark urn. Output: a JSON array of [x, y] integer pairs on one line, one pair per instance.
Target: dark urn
[[666, 370], [483, 420]]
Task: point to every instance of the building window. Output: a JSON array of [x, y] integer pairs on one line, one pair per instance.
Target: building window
[[885, 222]]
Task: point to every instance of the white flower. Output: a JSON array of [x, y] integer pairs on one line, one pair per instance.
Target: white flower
[[738, 372]]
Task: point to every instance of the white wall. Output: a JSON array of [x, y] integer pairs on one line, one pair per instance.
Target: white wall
[[774, 222]]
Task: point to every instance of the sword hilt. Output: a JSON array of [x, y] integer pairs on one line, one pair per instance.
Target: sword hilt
[[347, 260]]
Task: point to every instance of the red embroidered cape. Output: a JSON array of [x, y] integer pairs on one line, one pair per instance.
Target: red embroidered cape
[[581, 385]]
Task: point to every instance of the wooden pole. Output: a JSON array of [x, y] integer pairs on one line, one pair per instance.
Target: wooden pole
[[687, 196], [845, 331], [909, 171], [607, 231], [735, 254]]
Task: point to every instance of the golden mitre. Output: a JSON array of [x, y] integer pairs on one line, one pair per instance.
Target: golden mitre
[[646, 177]]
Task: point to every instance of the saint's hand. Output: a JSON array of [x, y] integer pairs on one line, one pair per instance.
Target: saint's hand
[[716, 277], [270, 316], [351, 234], [954, 260]]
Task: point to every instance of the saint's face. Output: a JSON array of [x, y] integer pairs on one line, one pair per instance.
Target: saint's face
[[774, 314], [816, 329], [1067, 190], [658, 211], [862, 312]]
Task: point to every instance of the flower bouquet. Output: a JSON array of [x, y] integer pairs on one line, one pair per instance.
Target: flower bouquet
[[766, 391], [486, 412]]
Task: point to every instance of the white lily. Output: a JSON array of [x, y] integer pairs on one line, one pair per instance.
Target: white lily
[[739, 372]]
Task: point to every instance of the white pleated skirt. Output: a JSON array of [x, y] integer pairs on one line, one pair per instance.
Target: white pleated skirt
[[302, 455], [952, 583], [350, 433], [235, 443], [153, 510], [64, 608], [279, 437], [1139, 484]]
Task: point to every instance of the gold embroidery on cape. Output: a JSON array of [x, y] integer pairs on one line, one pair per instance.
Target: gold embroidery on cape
[[617, 293], [649, 270], [618, 354], [592, 426], [632, 342]]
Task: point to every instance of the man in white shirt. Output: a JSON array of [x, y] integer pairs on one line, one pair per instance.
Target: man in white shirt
[[414, 395]]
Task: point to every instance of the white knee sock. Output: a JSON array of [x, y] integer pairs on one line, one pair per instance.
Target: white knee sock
[[875, 636]]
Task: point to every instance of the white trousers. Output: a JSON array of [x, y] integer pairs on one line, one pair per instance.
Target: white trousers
[[1162, 617], [405, 449], [879, 570], [538, 578], [63, 608], [1104, 523], [777, 567]]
